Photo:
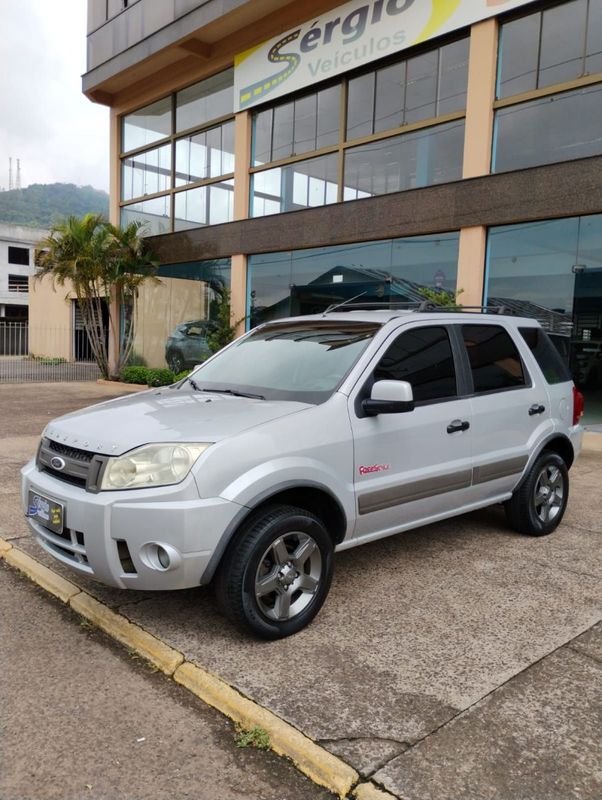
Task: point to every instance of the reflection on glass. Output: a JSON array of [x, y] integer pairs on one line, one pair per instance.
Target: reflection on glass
[[147, 125], [204, 101], [154, 214], [206, 205], [295, 186], [419, 158], [562, 43], [308, 281], [554, 128], [305, 124], [176, 313], [548, 47], [205, 155], [428, 85], [552, 270], [146, 173]]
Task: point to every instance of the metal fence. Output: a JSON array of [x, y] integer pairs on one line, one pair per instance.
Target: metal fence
[[33, 354]]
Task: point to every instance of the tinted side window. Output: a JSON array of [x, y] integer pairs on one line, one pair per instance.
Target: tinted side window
[[546, 354], [494, 359], [423, 357]]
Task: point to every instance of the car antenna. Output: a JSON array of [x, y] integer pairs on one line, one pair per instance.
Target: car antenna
[[334, 306]]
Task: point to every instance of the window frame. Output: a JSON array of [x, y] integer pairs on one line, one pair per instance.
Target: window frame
[[344, 143], [171, 140]]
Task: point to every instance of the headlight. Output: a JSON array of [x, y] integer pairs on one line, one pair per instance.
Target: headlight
[[151, 465]]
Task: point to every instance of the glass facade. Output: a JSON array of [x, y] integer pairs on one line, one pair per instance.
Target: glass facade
[[177, 314], [418, 94], [201, 158], [552, 270], [308, 281], [538, 52]]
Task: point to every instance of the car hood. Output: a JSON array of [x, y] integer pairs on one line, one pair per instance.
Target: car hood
[[164, 415]]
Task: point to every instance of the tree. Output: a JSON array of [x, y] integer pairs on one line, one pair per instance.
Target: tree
[[104, 265], [441, 298]]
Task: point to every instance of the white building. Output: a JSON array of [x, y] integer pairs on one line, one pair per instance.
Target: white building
[[17, 255]]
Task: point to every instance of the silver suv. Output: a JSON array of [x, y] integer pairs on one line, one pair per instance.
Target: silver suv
[[306, 436]]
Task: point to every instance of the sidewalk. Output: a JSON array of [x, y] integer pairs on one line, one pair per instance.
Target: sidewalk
[[457, 662]]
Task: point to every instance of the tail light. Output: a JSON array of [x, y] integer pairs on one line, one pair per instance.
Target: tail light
[[578, 405]]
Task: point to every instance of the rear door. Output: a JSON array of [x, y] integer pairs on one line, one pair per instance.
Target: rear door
[[412, 466], [510, 407]]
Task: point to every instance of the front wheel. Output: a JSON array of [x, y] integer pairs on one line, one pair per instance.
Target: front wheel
[[276, 575], [538, 505]]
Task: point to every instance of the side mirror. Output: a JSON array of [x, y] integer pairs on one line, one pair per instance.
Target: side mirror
[[389, 397]]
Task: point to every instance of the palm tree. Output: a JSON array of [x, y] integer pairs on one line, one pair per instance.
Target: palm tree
[[101, 263]]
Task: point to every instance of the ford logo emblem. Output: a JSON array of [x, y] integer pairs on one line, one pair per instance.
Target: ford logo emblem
[[57, 463]]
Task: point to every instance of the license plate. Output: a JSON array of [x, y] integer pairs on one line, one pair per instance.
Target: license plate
[[47, 512]]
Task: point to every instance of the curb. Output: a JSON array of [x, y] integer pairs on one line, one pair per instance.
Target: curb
[[314, 761]]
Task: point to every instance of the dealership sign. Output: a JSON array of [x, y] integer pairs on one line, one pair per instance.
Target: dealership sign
[[347, 37]]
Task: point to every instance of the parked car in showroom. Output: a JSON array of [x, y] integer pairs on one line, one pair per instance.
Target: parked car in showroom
[[305, 436], [187, 346]]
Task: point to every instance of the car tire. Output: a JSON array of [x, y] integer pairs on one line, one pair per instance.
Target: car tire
[[175, 361], [538, 504], [277, 572]]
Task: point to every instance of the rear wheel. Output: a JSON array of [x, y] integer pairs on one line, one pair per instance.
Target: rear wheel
[[538, 505], [276, 575], [175, 361]]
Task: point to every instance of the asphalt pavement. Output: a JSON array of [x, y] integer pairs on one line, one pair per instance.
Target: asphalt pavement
[[460, 660]]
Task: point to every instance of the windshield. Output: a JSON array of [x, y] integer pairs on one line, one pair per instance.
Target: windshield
[[288, 361]]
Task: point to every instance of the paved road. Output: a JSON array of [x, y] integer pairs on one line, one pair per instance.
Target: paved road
[[458, 661], [79, 718]]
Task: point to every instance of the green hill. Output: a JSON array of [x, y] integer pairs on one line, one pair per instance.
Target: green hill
[[39, 205]]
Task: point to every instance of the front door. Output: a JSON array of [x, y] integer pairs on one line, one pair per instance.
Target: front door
[[413, 466]]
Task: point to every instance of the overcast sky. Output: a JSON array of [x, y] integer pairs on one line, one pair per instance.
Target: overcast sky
[[45, 120]]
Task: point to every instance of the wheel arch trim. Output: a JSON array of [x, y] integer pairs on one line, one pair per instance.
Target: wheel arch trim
[[247, 510]]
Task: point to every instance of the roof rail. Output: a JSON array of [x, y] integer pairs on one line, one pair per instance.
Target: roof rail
[[424, 306]]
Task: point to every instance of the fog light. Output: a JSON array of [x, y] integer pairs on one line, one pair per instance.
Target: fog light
[[159, 556], [163, 557]]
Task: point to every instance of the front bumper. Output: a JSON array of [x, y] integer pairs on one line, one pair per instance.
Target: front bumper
[[97, 525]]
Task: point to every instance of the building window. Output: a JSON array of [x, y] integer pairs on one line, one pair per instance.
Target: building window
[[18, 283], [549, 47], [552, 271], [304, 184], [18, 255], [419, 158], [558, 127], [411, 111], [159, 163], [308, 281], [557, 48]]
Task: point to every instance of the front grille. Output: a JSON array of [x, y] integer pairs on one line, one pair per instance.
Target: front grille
[[69, 545], [81, 468], [70, 452]]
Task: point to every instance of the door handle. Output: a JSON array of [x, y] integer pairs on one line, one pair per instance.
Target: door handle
[[458, 425], [536, 408]]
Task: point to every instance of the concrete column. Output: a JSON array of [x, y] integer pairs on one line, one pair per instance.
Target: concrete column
[[242, 162], [114, 216], [478, 140], [480, 97], [471, 265], [238, 300]]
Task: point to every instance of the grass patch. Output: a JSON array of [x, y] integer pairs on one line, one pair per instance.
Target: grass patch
[[256, 737]]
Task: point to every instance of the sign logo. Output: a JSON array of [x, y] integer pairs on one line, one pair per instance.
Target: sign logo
[[58, 463], [356, 33]]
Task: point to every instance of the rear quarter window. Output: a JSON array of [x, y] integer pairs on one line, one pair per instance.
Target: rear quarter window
[[546, 354]]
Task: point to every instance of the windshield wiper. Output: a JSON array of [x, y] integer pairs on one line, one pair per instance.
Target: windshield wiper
[[193, 383], [234, 393]]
